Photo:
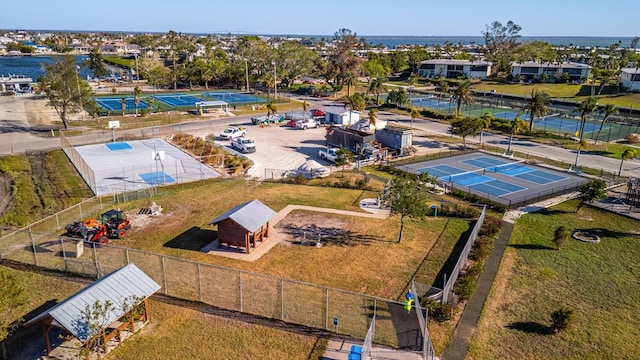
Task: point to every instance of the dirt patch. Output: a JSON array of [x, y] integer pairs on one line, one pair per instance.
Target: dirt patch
[[5, 192], [300, 226]]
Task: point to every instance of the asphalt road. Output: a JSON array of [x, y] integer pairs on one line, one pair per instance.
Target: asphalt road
[[17, 139]]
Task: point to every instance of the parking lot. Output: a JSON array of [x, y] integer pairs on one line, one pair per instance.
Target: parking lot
[[278, 148]]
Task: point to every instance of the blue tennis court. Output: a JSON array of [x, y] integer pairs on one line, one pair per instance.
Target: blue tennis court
[[566, 125], [441, 170], [178, 100], [484, 161], [115, 104], [497, 187], [157, 178], [430, 102], [234, 98], [509, 115], [118, 146], [540, 177], [467, 179]]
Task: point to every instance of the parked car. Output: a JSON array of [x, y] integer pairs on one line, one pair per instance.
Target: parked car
[[233, 132], [316, 112], [243, 144], [291, 123], [307, 123]]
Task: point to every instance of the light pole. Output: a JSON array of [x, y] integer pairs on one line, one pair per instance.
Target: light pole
[[246, 73], [275, 81], [137, 73]]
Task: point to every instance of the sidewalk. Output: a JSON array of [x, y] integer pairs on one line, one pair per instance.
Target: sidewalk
[[459, 346]]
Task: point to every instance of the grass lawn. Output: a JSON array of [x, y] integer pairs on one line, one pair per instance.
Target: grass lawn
[[173, 332], [559, 91], [179, 333], [599, 282], [367, 258]]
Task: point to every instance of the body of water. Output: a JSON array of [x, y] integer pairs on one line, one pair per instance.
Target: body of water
[[32, 66], [579, 41]]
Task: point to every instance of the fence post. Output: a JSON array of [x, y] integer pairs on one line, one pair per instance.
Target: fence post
[[326, 315], [240, 286], [282, 299], [33, 246], [126, 253], [80, 207], [164, 277], [199, 283], [57, 222], [95, 258]]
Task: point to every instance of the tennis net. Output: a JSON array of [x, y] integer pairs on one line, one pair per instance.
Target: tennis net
[[514, 167]]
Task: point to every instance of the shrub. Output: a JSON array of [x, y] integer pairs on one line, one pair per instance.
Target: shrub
[[361, 184], [481, 248], [561, 236], [633, 138], [561, 319], [437, 311], [460, 211], [491, 226], [465, 286]]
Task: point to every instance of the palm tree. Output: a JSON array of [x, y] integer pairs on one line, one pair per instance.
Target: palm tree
[[609, 109], [150, 101], [372, 117], [485, 120], [585, 108], [626, 155], [537, 106], [376, 86], [413, 80], [136, 97], [517, 125], [415, 113], [462, 95], [305, 108], [350, 80], [123, 105], [271, 108]]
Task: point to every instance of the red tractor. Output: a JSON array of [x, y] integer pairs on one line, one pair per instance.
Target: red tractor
[[113, 225]]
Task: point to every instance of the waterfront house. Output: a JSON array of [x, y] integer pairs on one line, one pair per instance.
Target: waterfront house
[[630, 78], [533, 70], [453, 69]]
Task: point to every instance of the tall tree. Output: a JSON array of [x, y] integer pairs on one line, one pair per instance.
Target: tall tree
[[64, 89], [587, 107], [485, 122], [341, 59], [407, 197], [123, 105], [136, 97], [465, 127], [373, 117], [271, 108], [591, 191], [626, 155], [499, 41], [609, 109], [462, 95], [95, 62], [415, 113], [11, 297], [515, 127], [350, 80], [537, 106], [376, 86]]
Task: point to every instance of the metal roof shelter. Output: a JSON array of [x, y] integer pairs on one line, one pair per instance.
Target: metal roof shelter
[[122, 285], [246, 225]]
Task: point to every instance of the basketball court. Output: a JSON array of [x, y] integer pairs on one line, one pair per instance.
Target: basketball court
[[500, 179], [140, 164]]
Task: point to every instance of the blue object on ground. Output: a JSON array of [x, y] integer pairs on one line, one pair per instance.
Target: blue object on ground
[[356, 349], [118, 146]]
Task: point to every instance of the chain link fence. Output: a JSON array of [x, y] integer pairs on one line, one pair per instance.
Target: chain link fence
[[259, 294]]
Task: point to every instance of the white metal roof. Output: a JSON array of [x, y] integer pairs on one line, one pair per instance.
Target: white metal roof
[[119, 286], [250, 215]]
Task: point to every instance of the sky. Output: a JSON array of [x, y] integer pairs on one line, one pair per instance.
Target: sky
[[325, 17]]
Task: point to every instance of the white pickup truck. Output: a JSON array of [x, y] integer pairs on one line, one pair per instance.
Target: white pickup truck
[[307, 123], [232, 133], [243, 144], [330, 154]]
